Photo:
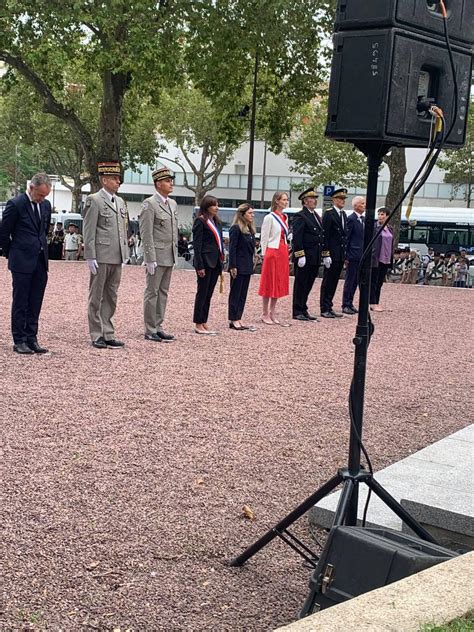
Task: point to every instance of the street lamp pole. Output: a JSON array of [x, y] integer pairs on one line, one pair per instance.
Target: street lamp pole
[[252, 129]]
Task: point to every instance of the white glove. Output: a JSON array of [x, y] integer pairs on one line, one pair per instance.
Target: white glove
[[93, 265], [327, 262], [151, 267], [301, 262]]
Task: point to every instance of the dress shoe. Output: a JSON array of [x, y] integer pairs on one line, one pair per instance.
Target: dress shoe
[[241, 328], [309, 317], [301, 317], [23, 349], [328, 314], [349, 311], [154, 337], [336, 314], [99, 343], [165, 337], [35, 347], [114, 344], [205, 332]]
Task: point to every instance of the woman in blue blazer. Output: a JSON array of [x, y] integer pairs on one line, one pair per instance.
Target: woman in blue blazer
[[241, 261], [208, 260]]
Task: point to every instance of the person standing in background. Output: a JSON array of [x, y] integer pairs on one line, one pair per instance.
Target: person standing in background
[[382, 254], [72, 244]]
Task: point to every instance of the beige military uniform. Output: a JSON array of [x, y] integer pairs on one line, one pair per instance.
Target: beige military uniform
[[105, 239], [159, 234]]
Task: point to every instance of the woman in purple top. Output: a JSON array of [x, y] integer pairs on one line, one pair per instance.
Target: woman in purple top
[[381, 259]]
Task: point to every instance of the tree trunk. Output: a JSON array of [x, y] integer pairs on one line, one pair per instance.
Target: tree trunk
[[397, 165], [76, 197]]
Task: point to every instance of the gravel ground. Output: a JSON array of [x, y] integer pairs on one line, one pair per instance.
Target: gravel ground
[[125, 471]]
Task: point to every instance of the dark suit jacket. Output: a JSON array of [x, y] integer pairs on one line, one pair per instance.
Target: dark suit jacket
[[335, 235], [23, 234], [308, 236], [206, 251], [241, 250], [355, 238]]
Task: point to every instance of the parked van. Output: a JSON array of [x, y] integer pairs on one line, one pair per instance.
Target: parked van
[[66, 219]]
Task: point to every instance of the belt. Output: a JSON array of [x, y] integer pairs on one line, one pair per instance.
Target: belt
[[75, 250]]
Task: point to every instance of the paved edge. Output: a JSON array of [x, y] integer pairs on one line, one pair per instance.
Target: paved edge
[[436, 595]]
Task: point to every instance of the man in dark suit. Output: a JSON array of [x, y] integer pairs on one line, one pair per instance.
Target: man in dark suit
[[355, 241], [23, 239], [334, 252], [307, 243]]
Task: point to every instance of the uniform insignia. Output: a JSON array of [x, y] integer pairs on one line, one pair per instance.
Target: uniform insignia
[[162, 222], [122, 212], [88, 202], [145, 205]]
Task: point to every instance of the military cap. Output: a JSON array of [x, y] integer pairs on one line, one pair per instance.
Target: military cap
[[161, 174], [308, 193], [72, 224], [110, 168], [341, 192]]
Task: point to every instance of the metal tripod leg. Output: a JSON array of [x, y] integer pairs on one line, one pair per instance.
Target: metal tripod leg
[[397, 509], [288, 520]]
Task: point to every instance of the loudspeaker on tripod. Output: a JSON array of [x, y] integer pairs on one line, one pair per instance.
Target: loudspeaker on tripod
[[356, 560]]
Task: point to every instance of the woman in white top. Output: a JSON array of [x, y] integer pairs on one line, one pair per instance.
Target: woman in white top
[[275, 277]]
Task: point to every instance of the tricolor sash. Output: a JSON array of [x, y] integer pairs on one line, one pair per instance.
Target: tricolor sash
[[217, 237], [282, 224]]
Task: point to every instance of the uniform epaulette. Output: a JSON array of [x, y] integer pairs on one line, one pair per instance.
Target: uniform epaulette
[[325, 253], [300, 253]]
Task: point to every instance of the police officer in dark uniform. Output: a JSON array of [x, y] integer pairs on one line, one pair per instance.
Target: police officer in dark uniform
[[308, 241], [334, 251]]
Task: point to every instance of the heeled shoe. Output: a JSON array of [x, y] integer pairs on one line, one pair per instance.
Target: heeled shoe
[[241, 328]]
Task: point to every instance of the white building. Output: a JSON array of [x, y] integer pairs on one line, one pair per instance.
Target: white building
[[232, 183]]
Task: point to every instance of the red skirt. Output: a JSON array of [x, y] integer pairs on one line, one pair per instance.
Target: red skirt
[[275, 277]]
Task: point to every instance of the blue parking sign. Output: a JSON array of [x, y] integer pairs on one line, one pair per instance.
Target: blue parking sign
[[328, 190]]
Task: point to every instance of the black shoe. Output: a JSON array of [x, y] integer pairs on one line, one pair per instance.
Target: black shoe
[[309, 317], [115, 344], [356, 311], [336, 314], [241, 328], [301, 317], [153, 337], [34, 346], [23, 349], [99, 343], [328, 314], [349, 311], [165, 337]]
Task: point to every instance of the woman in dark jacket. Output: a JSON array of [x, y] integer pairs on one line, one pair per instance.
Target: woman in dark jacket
[[382, 255], [241, 261], [208, 258]]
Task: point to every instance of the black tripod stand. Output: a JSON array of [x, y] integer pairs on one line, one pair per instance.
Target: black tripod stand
[[354, 474]]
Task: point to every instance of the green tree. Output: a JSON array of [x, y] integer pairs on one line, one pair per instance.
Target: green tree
[[325, 161], [397, 165], [190, 120], [113, 46], [458, 164]]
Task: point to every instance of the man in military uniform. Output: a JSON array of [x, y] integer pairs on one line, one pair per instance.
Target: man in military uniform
[[308, 241], [355, 241], [105, 249], [72, 244], [159, 232], [334, 252]]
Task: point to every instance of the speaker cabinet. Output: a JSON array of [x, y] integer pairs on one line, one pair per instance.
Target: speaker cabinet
[[423, 16], [356, 560], [377, 77]]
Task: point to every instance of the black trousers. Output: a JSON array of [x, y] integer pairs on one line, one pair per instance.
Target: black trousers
[[350, 283], [205, 289], [304, 281], [28, 293], [329, 285], [377, 279], [238, 295]]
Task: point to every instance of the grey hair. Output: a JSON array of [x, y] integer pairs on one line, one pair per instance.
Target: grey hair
[[356, 199], [40, 178]]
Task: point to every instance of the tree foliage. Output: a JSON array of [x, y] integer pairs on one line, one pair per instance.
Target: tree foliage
[[458, 164], [325, 161]]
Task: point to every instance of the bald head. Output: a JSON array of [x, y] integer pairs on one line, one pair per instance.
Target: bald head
[[358, 204]]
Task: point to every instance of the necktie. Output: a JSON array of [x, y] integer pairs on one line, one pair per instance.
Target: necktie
[[113, 200], [37, 210]]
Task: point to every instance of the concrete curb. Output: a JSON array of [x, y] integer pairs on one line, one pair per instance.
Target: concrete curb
[[436, 595]]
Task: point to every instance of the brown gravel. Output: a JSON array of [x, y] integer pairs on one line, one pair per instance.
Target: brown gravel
[[125, 471]]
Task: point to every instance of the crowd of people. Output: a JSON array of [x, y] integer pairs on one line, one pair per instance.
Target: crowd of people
[[334, 240]]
